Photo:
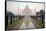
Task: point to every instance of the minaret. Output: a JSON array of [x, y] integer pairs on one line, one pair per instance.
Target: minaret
[[18, 9], [35, 11]]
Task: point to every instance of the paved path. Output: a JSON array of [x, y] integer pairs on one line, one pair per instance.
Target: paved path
[[27, 23]]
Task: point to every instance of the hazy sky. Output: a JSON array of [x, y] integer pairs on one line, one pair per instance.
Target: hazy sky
[[13, 7]]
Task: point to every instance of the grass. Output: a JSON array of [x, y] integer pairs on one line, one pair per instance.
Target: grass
[[38, 22], [14, 23]]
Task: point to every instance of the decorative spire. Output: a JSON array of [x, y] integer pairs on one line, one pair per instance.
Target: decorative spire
[[26, 6]]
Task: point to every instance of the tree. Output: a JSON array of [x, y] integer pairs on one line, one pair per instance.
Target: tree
[[10, 15], [37, 14], [42, 15]]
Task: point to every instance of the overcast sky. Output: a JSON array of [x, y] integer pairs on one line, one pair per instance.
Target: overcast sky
[[13, 7]]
